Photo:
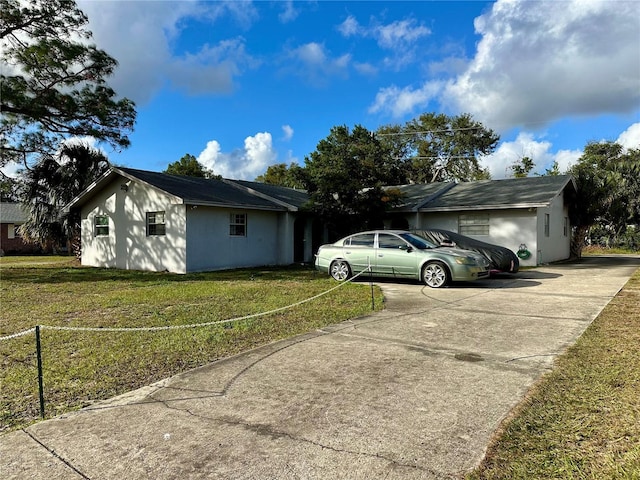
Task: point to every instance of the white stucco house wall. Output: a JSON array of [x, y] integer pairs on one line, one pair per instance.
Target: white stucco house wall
[[529, 213], [141, 220]]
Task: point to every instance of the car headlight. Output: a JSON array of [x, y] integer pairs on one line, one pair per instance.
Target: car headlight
[[465, 261]]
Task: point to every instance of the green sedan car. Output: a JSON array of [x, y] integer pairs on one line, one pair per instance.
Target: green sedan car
[[399, 254]]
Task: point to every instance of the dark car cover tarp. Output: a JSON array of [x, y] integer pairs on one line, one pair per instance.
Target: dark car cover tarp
[[501, 258]]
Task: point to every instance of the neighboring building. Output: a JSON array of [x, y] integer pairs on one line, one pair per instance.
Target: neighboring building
[[523, 214], [140, 220], [11, 217]]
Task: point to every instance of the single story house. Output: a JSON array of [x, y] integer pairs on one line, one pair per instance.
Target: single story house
[[141, 220], [527, 215], [12, 216]]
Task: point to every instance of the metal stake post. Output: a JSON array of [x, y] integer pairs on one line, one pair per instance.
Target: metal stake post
[[40, 385], [373, 301]]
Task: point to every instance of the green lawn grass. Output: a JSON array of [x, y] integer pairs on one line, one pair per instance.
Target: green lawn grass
[[597, 250], [582, 420], [82, 367]]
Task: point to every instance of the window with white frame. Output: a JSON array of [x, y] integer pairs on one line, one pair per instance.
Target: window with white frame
[[155, 224], [238, 225], [547, 221], [100, 225], [473, 224]]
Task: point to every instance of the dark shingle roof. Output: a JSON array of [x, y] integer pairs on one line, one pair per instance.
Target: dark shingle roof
[[290, 196], [201, 191], [12, 213], [416, 195], [508, 193], [205, 191]]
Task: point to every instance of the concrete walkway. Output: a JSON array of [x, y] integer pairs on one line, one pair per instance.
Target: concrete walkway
[[413, 392]]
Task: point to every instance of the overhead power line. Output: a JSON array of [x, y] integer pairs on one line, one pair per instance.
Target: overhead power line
[[425, 132]]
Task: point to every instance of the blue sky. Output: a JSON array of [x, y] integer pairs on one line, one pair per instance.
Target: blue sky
[[244, 85]]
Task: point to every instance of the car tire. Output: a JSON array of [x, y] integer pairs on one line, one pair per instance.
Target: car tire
[[340, 270], [436, 275]]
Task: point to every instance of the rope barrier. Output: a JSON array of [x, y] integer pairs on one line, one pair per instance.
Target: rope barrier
[[176, 327], [19, 334]]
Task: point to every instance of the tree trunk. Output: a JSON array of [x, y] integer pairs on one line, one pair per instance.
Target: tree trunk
[[578, 241]]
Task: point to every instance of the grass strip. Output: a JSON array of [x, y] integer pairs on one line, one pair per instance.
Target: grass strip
[[83, 367], [582, 420]]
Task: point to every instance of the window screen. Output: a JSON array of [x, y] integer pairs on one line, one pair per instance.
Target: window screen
[[238, 225], [473, 224], [101, 225], [155, 223]]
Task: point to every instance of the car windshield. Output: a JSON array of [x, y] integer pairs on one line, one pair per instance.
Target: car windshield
[[417, 242]]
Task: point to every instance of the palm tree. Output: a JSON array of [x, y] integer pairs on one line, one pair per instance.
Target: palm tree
[[50, 185]]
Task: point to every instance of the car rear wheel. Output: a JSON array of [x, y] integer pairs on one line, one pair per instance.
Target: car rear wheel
[[435, 275], [340, 270]]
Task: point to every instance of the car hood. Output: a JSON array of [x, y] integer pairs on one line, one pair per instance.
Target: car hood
[[458, 252]]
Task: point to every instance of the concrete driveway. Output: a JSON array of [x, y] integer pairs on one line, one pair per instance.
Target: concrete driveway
[[413, 392]]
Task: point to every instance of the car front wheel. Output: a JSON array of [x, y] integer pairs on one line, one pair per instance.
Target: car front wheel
[[340, 270], [435, 275]]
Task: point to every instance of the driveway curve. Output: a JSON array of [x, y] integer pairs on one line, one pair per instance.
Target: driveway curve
[[412, 392]]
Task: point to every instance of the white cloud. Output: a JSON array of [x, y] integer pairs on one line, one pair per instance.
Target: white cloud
[[289, 12], [399, 37], [365, 68], [141, 37], [538, 61], [212, 69], [209, 156], [526, 145], [399, 34], [393, 36], [288, 132], [310, 53], [313, 63], [12, 169], [244, 164], [630, 138], [350, 27], [399, 102]]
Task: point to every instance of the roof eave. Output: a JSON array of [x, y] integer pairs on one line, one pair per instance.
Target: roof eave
[[288, 206], [200, 203], [514, 206]]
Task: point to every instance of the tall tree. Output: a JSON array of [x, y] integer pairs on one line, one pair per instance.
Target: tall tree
[[442, 148], [608, 181], [54, 82], [279, 174], [188, 165], [553, 170], [8, 189], [522, 167], [50, 185], [344, 177]]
